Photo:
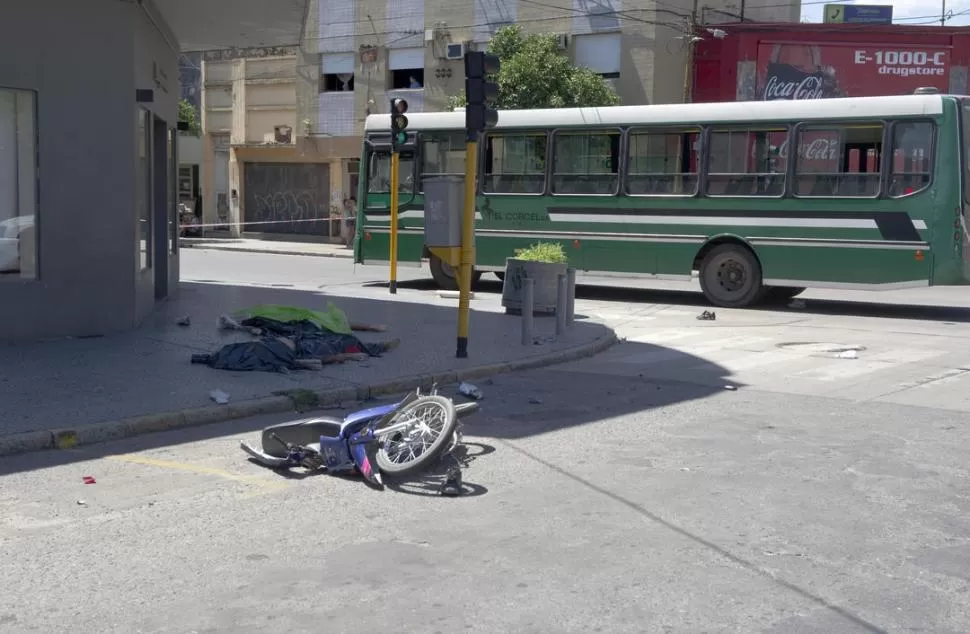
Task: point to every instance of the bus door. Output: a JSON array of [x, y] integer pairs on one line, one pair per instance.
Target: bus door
[[963, 216]]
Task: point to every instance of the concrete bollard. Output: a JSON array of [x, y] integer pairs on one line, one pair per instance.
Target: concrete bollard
[[570, 296], [528, 307], [561, 306]]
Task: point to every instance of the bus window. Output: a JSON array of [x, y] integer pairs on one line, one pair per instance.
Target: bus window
[[747, 162], [379, 173], [586, 163], [912, 154], [663, 162], [442, 153], [515, 164], [838, 161]]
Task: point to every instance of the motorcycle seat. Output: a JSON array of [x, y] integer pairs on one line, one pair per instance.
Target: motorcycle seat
[[300, 432]]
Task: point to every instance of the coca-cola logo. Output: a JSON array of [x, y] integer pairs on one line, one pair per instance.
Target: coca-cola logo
[[809, 88], [784, 81], [814, 150]]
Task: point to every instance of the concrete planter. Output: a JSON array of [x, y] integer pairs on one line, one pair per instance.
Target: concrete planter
[[546, 276]]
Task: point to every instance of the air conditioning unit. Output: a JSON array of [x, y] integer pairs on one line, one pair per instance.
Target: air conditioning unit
[[283, 134], [456, 50], [562, 41]]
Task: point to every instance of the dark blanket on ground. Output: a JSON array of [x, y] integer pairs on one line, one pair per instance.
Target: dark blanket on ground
[[270, 354], [265, 355]]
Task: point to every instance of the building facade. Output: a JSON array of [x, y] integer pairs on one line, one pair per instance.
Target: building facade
[[283, 127], [87, 231], [89, 152]]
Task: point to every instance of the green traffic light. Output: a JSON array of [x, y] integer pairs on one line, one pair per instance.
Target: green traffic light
[[401, 138]]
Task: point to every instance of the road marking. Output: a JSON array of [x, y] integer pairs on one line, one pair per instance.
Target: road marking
[[264, 484]]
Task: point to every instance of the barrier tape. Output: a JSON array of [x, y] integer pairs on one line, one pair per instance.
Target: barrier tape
[[257, 222]]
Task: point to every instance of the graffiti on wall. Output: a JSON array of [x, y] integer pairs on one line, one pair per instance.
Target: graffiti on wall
[[287, 197]]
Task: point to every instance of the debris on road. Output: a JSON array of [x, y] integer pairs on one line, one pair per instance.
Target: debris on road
[[848, 354], [228, 323], [82, 503], [453, 295], [184, 321], [88, 480], [471, 391], [733, 388], [219, 397], [707, 316], [535, 401]]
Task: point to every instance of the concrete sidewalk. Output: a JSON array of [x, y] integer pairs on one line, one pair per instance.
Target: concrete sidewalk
[[277, 247], [80, 391]]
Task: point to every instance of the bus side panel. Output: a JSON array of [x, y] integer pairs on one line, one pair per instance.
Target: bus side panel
[[376, 231], [951, 266], [844, 264]]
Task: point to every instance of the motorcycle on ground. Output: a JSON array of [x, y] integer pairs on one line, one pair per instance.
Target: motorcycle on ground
[[397, 439]]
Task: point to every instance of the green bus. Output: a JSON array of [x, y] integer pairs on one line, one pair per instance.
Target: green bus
[[874, 196]]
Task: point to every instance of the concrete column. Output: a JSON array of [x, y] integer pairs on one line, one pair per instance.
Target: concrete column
[[206, 168], [237, 137]]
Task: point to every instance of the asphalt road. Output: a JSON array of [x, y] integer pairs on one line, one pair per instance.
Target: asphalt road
[[602, 499], [614, 504]]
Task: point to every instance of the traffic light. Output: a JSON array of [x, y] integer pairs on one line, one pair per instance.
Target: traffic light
[[399, 124], [479, 91]]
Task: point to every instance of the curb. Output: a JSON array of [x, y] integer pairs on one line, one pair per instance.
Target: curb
[[67, 438], [241, 249]]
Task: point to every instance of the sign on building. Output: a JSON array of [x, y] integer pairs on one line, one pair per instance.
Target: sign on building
[[858, 14]]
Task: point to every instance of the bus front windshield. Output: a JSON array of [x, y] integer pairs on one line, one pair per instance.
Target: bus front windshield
[[379, 173]]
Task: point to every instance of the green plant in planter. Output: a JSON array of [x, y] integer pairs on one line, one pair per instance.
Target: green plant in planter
[[542, 263], [548, 252]]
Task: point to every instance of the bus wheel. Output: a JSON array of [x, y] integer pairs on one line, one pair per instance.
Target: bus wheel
[[730, 277], [445, 276], [782, 293]]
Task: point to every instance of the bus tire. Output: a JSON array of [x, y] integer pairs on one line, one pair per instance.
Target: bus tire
[[782, 293], [444, 275], [730, 277]]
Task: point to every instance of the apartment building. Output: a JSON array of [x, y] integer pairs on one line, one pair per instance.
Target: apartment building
[[283, 126]]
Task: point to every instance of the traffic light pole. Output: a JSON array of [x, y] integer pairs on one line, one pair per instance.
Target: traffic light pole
[[478, 117], [395, 164], [467, 261], [399, 137]]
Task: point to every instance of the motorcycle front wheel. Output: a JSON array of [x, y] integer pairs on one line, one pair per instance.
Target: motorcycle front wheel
[[431, 424]]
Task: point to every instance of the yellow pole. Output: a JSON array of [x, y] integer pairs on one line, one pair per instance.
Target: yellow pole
[[394, 187], [467, 261]]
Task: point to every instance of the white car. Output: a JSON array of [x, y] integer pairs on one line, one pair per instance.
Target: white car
[[10, 231]]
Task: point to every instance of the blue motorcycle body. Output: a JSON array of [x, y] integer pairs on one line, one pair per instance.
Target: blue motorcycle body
[[338, 445]]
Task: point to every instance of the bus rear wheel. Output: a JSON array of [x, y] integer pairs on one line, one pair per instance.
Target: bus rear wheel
[[445, 276], [730, 277]]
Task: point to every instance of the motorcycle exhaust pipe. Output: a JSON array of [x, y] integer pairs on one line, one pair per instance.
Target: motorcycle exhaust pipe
[[465, 409]]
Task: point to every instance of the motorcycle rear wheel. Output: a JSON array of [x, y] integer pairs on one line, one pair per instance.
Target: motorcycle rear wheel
[[438, 416]]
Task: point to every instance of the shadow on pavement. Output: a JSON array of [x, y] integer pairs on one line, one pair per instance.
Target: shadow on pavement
[[835, 307], [70, 383]]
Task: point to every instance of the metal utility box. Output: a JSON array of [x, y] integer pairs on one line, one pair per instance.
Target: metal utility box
[[444, 197]]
